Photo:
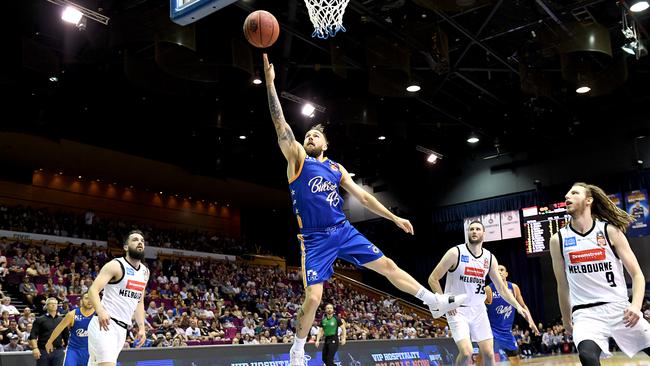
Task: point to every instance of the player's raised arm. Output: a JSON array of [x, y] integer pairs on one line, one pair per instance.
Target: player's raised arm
[[291, 149]]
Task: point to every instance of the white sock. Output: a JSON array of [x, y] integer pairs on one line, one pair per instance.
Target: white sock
[[299, 343], [426, 296]]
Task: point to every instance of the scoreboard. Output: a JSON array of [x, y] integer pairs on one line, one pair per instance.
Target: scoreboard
[[540, 223]]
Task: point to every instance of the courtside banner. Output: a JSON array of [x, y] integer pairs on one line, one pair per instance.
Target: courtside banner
[[417, 352], [22, 236]]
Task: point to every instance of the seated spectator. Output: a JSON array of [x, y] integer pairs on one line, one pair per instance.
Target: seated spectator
[[28, 291], [12, 345], [6, 306], [193, 332], [25, 318]]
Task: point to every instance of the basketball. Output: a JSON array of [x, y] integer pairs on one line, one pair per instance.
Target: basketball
[[261, 29]]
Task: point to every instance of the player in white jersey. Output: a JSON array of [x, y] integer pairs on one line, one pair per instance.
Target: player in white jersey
[[124, 281], [466, 267], [589, 255]]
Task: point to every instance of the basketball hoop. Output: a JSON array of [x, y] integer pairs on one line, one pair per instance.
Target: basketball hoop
[[326, 16]]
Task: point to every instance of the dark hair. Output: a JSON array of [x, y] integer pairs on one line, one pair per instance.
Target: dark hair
[[476, 222], [126, 238]]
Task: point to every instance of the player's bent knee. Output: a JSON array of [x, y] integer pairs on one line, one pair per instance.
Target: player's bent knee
[[589, 353]]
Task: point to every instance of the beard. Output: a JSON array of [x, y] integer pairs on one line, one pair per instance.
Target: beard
[[313, 151], [475, 242], [134, 254]]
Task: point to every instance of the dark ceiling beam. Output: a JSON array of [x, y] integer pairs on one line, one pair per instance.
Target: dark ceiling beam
[[479, 87], [478, 42], [478, 33]]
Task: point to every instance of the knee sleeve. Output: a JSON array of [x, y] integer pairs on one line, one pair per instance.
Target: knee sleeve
[[589, 353]]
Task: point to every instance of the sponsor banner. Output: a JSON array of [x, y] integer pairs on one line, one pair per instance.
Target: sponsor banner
[[492, 223], [636, 203], [135, 285], [18, 235], [617, 199], [510, 224]]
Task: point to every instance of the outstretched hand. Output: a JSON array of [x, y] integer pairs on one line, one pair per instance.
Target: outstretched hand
[[404, 224], [269, 71]]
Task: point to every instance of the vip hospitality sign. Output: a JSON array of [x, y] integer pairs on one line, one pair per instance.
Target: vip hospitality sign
[[498, 226]]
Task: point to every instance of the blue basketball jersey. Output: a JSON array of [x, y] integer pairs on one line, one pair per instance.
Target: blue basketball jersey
[[315, 194], [500, 312], [79, 330]]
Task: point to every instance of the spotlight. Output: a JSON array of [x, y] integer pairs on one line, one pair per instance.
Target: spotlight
[[630, 47], [381, 138], [242, 137], [638, 5], [308, 110], [54, 79], [432, 156], [256, 79], [71, 15], [413, 88], [432, 159], [352, 174], [472, 139], [583, 89]]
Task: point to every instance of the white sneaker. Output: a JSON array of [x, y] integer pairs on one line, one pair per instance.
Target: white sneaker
[[444, 303], [297, 357]]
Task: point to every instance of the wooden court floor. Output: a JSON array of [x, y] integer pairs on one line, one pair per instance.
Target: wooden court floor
[[619, 359]]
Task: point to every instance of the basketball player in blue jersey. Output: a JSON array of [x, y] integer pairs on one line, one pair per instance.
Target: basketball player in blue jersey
[[77, 320], [325, 233], [590, 255], [502, 316]]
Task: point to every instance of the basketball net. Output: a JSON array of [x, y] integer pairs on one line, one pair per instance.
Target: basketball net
[[326, 16]]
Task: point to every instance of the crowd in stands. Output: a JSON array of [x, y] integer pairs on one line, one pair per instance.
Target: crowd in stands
[[198, 301], [93, 226], [194, 301]]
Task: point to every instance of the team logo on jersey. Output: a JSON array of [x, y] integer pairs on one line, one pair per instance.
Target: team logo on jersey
[[135, 285], [373, 248], [474, 272], [600, 239], [464, 258], [318, 185], [589, 255], [130, 272], [486, 263], [334, 167], [570, 242]]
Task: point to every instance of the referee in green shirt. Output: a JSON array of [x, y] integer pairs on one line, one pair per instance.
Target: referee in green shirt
[[329, 327]]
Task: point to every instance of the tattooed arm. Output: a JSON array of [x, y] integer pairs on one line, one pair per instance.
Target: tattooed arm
[[291, 149]]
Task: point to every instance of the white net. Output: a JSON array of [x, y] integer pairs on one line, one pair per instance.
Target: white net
[[326, 16]]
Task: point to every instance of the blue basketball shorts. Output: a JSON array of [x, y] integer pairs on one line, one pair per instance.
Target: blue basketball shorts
[[76, 357], [504, 341], [320, 248]]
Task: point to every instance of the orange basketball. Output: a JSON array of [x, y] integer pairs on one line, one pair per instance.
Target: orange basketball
[[261, 29]]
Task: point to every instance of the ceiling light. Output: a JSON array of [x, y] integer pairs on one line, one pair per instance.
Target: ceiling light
[[630, 47], [432, 158], [352, 174], [413, 88], [54, 79], [79, 177], [472, 139], [639, 161], [257, 81], [160, 192], [583, 89], [242, 137], [381, 138], [71, 15], [638, 5], [308, 110]]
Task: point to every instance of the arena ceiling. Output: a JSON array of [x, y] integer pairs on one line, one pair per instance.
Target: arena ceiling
[[498, 69]]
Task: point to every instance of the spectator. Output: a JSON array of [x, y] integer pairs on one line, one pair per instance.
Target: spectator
[[193, 332], [6, 306], [12, 329], [13, 345], [25, 318], [28, 291]]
